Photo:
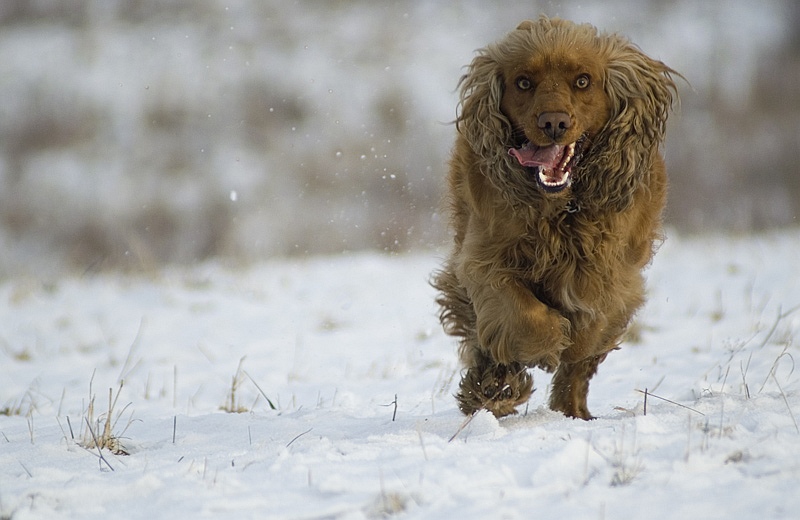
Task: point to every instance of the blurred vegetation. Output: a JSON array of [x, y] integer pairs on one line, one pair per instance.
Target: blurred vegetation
[[135, 133]]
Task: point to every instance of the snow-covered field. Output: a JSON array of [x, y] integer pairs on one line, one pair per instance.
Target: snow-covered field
[[343, 379]]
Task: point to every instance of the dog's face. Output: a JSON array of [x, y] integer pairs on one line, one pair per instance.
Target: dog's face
[[556, 102]]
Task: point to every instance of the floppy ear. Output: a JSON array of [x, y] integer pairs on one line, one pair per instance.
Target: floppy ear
[[480, 120], [641, 92]]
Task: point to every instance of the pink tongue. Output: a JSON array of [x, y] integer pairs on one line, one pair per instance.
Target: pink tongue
[[532, 155]]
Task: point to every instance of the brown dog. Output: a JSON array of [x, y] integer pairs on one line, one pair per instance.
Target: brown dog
[[556, 188]]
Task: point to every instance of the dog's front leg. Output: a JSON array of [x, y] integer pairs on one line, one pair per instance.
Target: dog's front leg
[[514, 331], [513, 326]]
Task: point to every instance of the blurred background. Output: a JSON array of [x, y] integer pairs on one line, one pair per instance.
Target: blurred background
[[139, 133]]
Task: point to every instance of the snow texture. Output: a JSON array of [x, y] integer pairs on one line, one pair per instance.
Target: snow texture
[[343, 381]]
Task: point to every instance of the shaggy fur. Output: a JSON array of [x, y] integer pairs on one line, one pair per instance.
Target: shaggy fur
[[546, 267]]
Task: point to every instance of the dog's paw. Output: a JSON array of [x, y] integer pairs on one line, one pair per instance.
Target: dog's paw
[[497, 388]]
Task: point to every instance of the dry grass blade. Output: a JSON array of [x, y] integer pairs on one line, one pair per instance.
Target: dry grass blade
[[107, 438], [263, 394], [19, 407], [298, 436], [650, 394], [786, 401], [776, 364], [232, 404], [127, 365], [393, 403], [463, 425], [30, 475], [97, 444]]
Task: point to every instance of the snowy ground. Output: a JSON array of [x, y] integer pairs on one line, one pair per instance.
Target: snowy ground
[[349, 353]]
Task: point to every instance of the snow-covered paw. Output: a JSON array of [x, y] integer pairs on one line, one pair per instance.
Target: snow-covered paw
[[497, 388]]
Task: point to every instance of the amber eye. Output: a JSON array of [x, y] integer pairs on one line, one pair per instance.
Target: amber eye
[[582, 82], [523, 83]]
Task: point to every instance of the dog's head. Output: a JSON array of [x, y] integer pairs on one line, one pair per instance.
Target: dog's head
[[558, 110]]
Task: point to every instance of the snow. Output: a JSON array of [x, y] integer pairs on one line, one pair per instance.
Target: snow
[[349, 352]]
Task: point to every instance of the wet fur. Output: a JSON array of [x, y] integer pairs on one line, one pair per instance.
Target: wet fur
[[551, 280]]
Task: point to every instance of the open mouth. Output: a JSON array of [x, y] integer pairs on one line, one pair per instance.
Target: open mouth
[[551, 165]]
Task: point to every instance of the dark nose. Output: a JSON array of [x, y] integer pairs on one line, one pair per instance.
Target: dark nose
[[554, 124]]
